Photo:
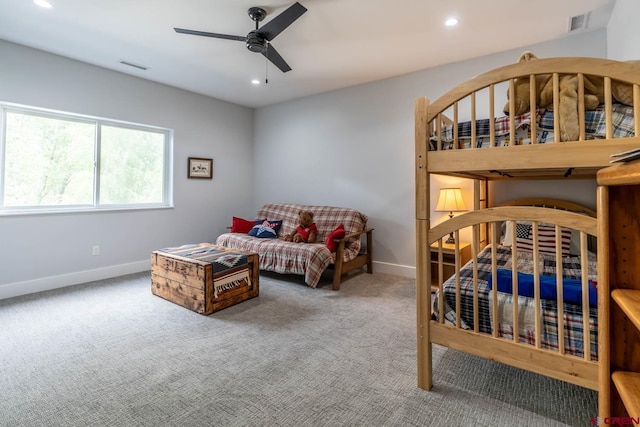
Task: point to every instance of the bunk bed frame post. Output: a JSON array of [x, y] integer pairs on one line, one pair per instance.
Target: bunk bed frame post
[[423, 266], [604, 356], [481, 201]]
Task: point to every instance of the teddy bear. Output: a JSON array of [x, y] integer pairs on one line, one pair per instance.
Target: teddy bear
[[306, 230], [568, 96]]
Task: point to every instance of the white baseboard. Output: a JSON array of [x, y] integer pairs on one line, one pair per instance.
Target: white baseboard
[[395, 269], [54, 282], [11, 290]]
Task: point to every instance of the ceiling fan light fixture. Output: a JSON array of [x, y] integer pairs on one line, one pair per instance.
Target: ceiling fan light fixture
[[43, 3]]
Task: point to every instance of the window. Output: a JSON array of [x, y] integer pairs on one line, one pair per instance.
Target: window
[[51, 161]]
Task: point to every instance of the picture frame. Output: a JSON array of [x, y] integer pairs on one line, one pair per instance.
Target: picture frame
[[200, 168]]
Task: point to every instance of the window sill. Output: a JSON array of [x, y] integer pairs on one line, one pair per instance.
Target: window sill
[[79, 210]]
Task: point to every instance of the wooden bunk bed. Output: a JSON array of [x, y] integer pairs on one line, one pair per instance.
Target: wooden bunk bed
[[435, 153]]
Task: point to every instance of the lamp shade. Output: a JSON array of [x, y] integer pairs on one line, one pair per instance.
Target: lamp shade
[[450, 200]]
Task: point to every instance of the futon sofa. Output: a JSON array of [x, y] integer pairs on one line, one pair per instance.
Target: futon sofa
[[309, 259]]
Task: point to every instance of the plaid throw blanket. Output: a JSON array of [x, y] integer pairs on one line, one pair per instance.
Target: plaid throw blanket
[[230, 270], [308, 259], [573, 333], [595, 128], [220, 259]]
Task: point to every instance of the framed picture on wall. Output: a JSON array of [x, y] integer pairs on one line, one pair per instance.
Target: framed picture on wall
[[200, 168]]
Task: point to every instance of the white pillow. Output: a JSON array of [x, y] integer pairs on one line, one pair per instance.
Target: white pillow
[[508, 233]]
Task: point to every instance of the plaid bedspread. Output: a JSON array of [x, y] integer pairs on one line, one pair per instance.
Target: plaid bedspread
[[308, 259], [595, 124], [595, 128], [573, 331]]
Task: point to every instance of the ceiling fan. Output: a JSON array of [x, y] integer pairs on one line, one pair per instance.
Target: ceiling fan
[[259, 39]]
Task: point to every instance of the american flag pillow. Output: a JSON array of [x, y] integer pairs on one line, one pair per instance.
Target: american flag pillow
[[266, 229], [546, 238]]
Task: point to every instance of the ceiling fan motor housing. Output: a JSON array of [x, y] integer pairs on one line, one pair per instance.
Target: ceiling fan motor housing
[[256, 43]]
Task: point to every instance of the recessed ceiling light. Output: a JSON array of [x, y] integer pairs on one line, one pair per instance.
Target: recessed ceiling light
[[255, 81], [451, 22], [43, 3]]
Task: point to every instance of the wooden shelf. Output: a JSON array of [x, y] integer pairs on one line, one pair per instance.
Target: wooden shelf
[[620, 174], [629, 301], [619, 280], [628, 386]]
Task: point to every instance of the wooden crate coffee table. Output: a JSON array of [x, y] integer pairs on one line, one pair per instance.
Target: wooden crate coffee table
[[203, 277]]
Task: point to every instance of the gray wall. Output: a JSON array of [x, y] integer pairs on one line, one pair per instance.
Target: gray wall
[[623, 33], [46, 251], [355, 147], [352, 147]]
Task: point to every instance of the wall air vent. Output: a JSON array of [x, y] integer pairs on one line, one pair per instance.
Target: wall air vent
[[579, 22], [139, 67]]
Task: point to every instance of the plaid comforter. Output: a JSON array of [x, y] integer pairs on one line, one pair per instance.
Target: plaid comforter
[[573, 333], [595, 128], [308, 259]]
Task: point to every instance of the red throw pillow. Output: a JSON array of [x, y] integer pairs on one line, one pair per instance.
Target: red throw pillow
[[338, 233], [240, 225]]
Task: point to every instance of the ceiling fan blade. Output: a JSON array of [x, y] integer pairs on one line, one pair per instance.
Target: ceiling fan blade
[[274, 27], [205, 34], [272, 55]]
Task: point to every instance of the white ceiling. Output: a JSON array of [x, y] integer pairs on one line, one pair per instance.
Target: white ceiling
[[335, 44]]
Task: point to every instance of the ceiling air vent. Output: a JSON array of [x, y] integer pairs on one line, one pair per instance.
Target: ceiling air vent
[[130, 64], [579, 22]]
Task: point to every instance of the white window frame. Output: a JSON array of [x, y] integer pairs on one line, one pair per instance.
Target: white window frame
[[167, 185]]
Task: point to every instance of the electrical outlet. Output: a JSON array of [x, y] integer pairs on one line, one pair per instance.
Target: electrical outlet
[[96, 250]]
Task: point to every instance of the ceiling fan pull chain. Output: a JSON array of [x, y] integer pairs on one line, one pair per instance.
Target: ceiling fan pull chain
[[266, 68]]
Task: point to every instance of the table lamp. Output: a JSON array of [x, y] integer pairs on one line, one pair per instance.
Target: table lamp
[[450, 200]]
